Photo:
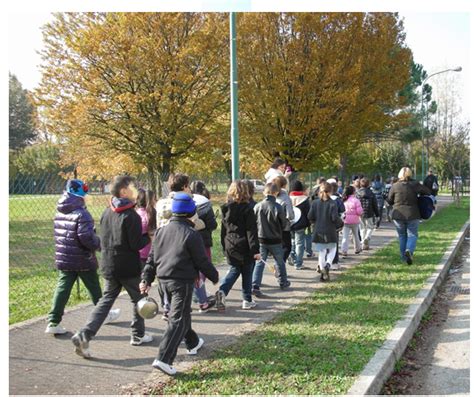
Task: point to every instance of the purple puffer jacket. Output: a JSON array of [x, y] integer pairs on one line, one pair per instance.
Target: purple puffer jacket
[[74, 235]]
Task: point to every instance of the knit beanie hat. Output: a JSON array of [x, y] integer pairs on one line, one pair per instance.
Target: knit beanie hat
[[183, 205], [77, 187]]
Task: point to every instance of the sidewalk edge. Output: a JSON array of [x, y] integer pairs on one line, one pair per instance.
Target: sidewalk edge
[[381, 365]]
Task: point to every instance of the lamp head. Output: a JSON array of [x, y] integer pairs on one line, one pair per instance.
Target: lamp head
[[458, 69]]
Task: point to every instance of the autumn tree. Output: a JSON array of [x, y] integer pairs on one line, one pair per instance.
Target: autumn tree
[[312, 85], [148, 85], [21, 126]]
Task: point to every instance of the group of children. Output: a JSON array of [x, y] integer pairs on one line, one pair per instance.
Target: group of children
[[142, 239]]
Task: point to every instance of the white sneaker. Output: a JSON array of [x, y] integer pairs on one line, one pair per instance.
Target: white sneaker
[[113, 315], [248, 305], [166, 368], [194, 351], [55, 329], [137, 341]]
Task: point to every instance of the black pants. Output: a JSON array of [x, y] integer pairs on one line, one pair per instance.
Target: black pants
[[286, 243], [112, 289], [179, 319]]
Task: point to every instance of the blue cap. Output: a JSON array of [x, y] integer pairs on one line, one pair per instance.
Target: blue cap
[[183, 205], [77, 187]]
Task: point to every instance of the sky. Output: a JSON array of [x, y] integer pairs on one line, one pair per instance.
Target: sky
[[439, 40]]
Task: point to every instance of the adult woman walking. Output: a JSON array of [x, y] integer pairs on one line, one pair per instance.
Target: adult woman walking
[[403, 196]]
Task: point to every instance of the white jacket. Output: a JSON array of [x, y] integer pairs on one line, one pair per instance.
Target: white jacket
[[271, 174], [163, 213]]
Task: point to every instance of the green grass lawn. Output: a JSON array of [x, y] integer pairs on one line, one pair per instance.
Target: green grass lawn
[[321, 345], [32, 275]]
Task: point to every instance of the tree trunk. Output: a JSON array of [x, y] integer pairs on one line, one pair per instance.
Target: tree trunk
[[342, 167], [165, 174], [151, 176]]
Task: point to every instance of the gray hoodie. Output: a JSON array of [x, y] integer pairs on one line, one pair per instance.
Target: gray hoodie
[[284, 200]]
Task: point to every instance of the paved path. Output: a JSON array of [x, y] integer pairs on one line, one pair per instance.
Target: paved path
[[439, 362], [448, 369], [44, 364]]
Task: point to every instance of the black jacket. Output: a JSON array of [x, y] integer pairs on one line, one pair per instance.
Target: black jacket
[[429, 182], [324, 216], [369, 202], [178, 253], [404, 198], [239, 237], [121, 240], [206, 214], [301, 202], [271, 220]]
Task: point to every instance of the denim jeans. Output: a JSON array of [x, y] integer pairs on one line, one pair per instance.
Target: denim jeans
[[309, 241], [200, 284], [298, 240], [233, 274], [407, 234], [280, 269]]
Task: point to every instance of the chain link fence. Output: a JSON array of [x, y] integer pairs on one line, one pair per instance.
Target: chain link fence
[[32, 207]]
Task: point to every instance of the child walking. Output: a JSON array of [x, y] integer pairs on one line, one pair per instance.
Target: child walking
[[121, 241], [323, 214], [177, 183], [176, 257], [271, 221], [371, 211], [352, 219], [146, 201], [239, 239], [201, 197], [76, 244], [300, 201], [284, 200]]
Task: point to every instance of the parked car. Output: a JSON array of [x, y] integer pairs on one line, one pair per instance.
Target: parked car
[[258, 184]]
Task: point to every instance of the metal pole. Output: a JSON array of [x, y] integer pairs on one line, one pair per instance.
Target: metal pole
[[234, 99], [422, 140]]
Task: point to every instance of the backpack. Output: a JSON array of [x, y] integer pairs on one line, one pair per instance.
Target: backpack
[[426, 206]]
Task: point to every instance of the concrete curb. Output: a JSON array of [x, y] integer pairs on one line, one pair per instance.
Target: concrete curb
[[382, 364]]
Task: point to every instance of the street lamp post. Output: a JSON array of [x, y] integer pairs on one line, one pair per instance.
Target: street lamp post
[[234, 99], [457, 69]]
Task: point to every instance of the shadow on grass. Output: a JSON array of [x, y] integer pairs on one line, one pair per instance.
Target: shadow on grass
[[321, 345]]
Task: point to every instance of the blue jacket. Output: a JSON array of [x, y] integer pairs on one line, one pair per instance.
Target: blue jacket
[[74, 235]]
